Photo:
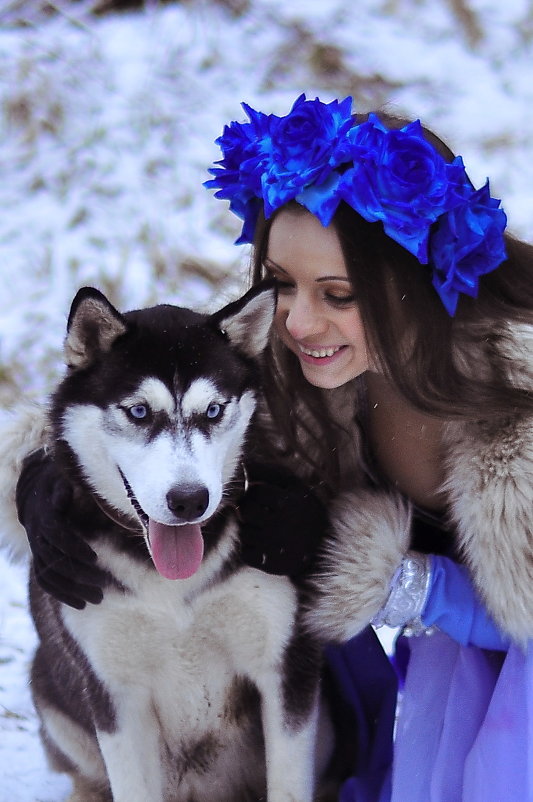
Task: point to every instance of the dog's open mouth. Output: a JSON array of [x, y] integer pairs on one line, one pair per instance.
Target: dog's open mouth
[[176, 551]]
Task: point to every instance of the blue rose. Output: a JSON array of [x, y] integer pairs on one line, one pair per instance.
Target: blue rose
[[303, 143], [246, 149], [247, 154], [467, 242], [399, 178]]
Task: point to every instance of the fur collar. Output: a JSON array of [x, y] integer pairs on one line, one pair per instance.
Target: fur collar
[[489, 469]]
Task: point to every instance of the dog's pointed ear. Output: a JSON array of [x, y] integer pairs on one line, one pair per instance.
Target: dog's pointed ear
[[93, 326], [247, 322]]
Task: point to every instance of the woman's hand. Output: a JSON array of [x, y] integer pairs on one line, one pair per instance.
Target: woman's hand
[[282, 520], [64, 563]]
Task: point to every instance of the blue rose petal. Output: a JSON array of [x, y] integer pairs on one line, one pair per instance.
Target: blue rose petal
[[323, 199]]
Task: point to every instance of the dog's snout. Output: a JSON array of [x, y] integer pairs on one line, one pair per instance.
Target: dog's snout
[[188, 503]]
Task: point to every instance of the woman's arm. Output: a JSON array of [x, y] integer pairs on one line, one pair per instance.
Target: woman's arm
[[369, 575], [64, 564]]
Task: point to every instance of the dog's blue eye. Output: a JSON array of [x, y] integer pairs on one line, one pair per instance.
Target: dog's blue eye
[[139, 411], [214, 411]]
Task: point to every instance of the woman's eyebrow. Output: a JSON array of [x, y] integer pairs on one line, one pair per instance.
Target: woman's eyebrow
[[334, 278], [269, 263]]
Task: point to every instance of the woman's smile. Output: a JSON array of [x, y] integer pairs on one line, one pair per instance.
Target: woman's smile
[[320, 352]]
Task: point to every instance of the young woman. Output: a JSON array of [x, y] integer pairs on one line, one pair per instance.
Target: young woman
[[400, 378], [398, 383]]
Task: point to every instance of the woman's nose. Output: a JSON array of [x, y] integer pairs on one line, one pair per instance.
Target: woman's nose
[[303, 319]]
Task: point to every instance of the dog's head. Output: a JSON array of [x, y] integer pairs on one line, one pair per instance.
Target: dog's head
[[154, 410]]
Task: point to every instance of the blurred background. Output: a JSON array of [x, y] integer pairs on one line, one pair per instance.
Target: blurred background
[[109, 111]]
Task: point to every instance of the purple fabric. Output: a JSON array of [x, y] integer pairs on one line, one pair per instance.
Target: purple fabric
[[465, 725], [500, 765], [366, 685]]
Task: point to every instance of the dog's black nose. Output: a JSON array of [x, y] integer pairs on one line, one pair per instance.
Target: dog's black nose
[[188, 502]]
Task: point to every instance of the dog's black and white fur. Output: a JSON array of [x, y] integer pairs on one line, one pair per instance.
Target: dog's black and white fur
[[201, 686]]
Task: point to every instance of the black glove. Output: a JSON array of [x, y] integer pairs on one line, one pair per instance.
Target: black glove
[[282, 522], [64, 563]]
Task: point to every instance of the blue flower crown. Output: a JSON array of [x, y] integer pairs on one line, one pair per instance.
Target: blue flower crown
[[393, 176]]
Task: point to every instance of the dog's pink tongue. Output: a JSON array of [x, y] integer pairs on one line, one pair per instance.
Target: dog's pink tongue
[[177, 551]]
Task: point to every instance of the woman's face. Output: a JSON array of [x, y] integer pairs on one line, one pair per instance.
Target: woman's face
[[317, 316]]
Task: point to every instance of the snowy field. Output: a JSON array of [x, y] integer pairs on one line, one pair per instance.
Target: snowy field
[[107, 128]]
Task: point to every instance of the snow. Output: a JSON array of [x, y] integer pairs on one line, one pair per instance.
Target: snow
[[107, 127]]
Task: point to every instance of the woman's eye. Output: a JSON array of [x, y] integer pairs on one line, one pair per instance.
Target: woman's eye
[[138, 411], [340, 300], [214, 411]]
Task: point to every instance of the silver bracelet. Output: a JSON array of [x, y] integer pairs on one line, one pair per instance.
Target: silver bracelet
[[408, 594]]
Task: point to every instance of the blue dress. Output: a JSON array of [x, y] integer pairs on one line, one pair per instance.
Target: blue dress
[[463, 728]]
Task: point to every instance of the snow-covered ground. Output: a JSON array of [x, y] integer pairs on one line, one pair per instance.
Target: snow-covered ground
[[107, 127]]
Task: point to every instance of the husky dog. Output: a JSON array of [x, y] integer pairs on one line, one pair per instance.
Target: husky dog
[[192, 681]]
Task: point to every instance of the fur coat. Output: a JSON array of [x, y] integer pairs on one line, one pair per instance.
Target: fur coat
[[489, 489], [489, 486]]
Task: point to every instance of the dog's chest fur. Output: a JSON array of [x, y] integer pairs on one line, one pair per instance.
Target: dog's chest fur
[[191, 648]]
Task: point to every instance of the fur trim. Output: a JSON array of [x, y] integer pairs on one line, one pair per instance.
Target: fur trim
[[515, 345], [22, 431], [489, 469], [371, 532]]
